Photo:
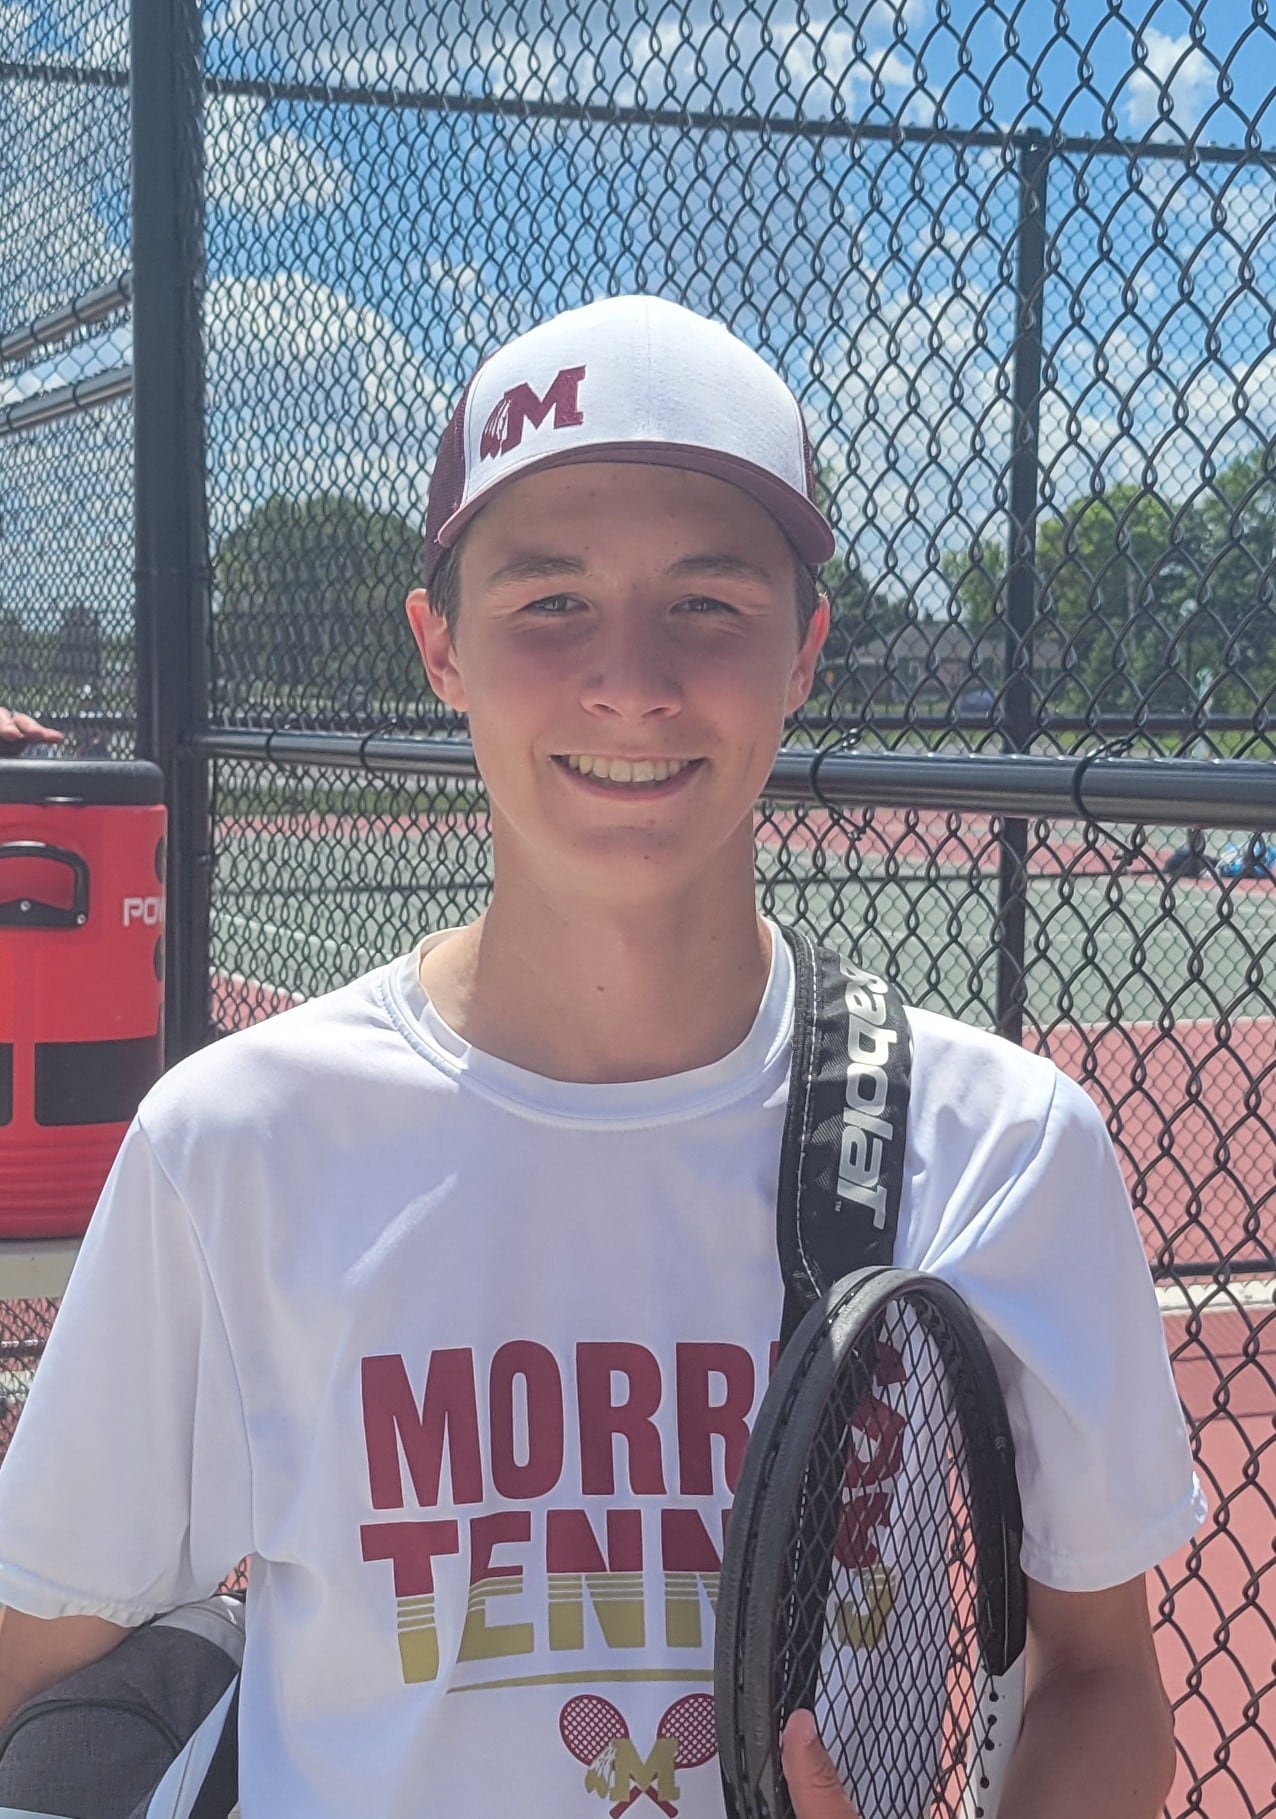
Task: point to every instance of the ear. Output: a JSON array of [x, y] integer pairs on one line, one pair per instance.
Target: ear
[[803, 673], [438, 653]]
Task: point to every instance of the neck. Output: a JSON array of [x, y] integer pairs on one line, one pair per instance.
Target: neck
[[579, 991]]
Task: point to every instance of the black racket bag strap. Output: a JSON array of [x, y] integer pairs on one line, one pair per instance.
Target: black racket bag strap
[[842, 1161]]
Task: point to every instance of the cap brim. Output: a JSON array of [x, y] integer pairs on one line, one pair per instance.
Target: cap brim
[[803, 524]]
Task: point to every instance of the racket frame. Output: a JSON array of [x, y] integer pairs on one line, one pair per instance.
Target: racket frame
[[756, 1564]]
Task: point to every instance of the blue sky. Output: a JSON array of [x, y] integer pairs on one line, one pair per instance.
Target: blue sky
[[360, 258]]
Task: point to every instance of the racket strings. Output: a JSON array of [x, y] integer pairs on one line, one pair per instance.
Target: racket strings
[[880, 1629]]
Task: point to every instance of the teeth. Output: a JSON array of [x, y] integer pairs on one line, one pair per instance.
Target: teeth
[[621, 770]]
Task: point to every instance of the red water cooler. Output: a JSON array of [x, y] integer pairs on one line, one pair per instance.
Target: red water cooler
[[81, 979]]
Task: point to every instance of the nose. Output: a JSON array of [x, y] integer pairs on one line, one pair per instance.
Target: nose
[[631, 671]]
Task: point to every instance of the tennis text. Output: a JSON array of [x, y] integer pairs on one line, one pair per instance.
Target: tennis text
[[620, 1558]]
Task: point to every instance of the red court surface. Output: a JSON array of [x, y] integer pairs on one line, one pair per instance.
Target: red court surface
[[1190, 1110], [1217, 1643]]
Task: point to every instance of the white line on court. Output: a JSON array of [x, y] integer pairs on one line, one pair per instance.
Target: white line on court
[[327, 944], [1208, 1297]]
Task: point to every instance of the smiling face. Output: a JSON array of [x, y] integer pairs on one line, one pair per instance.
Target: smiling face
[[626, 649]]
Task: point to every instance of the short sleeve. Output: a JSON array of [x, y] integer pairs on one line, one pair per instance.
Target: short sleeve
[[1051, 1262], [126, 1489]]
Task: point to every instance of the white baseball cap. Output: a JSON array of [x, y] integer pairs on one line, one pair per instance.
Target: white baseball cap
[[627, 379]]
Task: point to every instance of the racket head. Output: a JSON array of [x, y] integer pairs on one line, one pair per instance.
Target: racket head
[[692, 1722], [589, 1726], [818, 1511]]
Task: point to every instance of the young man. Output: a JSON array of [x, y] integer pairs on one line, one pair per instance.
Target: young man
[[448, 1296]]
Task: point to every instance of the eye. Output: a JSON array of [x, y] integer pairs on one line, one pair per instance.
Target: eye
[[701, 605], [553, 606]]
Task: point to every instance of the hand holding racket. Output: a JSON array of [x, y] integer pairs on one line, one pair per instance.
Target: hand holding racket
[[809, 1775], [871, 1574]]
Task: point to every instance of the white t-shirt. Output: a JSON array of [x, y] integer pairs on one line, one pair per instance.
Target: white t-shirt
[[465, 1358]]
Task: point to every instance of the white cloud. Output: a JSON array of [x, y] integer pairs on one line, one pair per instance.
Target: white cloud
[[309, 392], [15, 22], [836, 54], [676, 52], [1119, 416], [54, 240], [97, 354], [878, 18], [67, 31], [926, 433], [1174, 70], [103, 34], [1238, 200], [60, 237], [265, 173]]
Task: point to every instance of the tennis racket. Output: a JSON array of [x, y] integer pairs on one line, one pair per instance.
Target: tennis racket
[[871, 1571]]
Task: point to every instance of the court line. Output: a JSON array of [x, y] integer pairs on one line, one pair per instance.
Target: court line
[[1209, 1297], [328, 944]]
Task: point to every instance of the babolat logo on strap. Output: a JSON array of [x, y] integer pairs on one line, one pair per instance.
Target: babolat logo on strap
[[842, 1161], [867, 1127]]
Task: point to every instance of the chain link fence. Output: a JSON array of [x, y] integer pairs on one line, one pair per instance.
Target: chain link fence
[[1020, 265], [67, 648], [1024, 282], [1037, 364]]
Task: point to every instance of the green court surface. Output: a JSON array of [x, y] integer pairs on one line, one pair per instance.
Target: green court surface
[[302, 908]]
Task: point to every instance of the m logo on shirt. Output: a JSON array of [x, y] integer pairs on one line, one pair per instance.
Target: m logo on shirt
[[520, 406], [597, 1734]]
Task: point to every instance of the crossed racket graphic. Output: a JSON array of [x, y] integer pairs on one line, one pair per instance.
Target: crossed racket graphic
[[592, 1727]]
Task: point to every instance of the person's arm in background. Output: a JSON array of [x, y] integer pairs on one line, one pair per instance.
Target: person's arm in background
[[1097, 1734], [37, 1652], [21, 729]]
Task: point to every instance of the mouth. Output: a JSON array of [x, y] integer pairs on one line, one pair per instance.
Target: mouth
[[634, 776]]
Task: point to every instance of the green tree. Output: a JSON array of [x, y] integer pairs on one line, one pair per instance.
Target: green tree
[[1236, 600], [1150, 600], [863, 620], [309, 598], [15, 657], [80, 645], [863, 614]]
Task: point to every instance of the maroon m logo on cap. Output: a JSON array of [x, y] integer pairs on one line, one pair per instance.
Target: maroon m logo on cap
[[520, 406]]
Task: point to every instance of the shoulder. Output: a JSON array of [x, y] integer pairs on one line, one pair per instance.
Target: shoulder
[[989, 1123], [253, 1079], [979, 1078], [974, 1077]]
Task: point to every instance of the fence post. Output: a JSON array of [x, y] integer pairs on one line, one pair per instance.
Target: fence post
[[1018, 721], [171, 530]]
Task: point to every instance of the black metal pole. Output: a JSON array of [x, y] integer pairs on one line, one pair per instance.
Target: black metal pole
[[1217, 792], [1018, 722], [170, 509]]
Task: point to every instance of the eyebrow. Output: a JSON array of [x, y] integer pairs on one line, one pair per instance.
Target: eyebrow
[[542, 566], [533, 566], [721, 564]]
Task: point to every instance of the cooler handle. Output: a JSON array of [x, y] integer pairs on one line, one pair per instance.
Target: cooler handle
[[29, 912]]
